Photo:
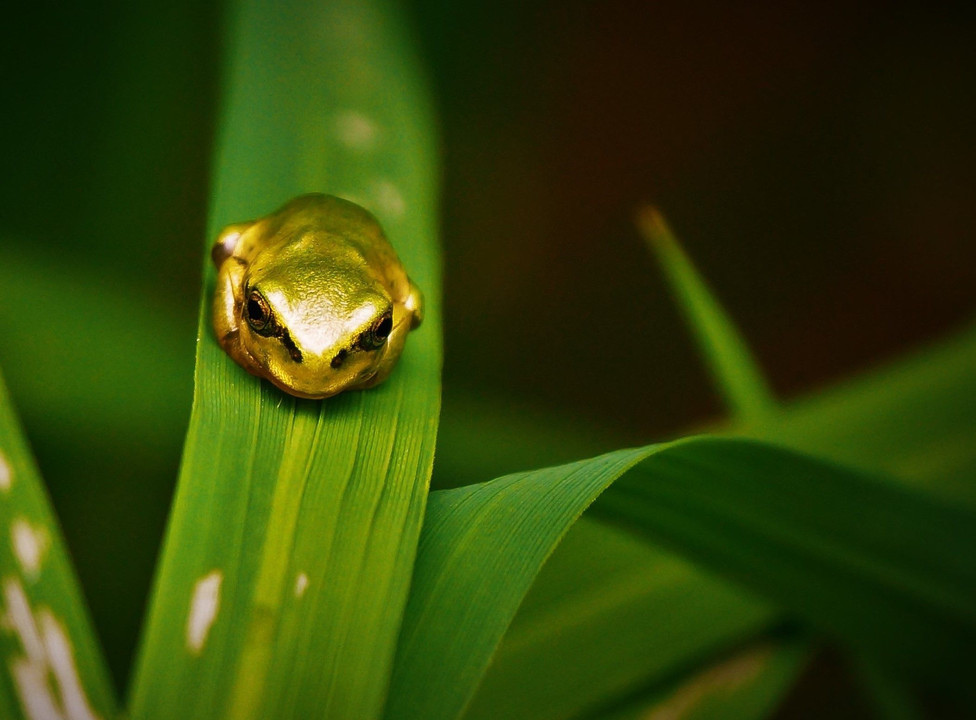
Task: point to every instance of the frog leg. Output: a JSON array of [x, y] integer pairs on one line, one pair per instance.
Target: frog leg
[[228, 243], [227, 299]]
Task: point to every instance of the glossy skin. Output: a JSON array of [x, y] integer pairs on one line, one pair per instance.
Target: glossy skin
[[313, 297]]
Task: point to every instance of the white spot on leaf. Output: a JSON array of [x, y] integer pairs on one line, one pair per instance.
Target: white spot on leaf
[[301, 584], [35, 697], [389, 201], [6, 474], [46, 677], [355, 130], [203, 610], [30, 545], [19, 619], [62, 662]]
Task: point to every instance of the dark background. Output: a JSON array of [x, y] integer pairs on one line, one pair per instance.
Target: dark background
[[817, 161]]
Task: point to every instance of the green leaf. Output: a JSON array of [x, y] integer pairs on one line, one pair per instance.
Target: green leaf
[[887, 570], [884, 569], [890, 698], [914, 418], [749, 684], [67, 390], [481, 548], [734, 371], [901, 418], [52, 662], [289, 550], [607, 616]]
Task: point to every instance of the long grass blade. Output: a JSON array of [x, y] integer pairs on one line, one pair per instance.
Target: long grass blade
[[289, 550], [481, 548], [734, 371], [886, 570], [909, 418], [52, 663]]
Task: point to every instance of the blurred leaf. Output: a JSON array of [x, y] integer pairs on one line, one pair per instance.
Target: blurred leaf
[[52, 661], [897, 418], [101, 371], [607, 616], [891, 699], [288, 555], [483, 436], [914, 419], [885, 569], [733, 369], [749, 684], [132, 386]]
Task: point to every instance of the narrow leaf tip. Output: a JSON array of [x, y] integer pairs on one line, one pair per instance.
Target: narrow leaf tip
[[654, 228]]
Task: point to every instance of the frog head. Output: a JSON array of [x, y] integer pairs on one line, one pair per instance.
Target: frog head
[[303, 303]]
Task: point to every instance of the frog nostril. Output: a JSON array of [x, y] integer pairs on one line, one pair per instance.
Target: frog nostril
[[339, 359]]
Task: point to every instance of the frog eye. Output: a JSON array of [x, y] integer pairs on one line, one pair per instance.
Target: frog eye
[[258, 314], [378, 332]]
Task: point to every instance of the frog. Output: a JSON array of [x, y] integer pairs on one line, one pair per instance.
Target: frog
[[313, 297]]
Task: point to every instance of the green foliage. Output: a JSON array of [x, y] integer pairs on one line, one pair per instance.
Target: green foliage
[[852, 554], [293, 515], [748, 684], [611, 617], [732, 367], [52, 661], [849, 553], [307, 571]]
